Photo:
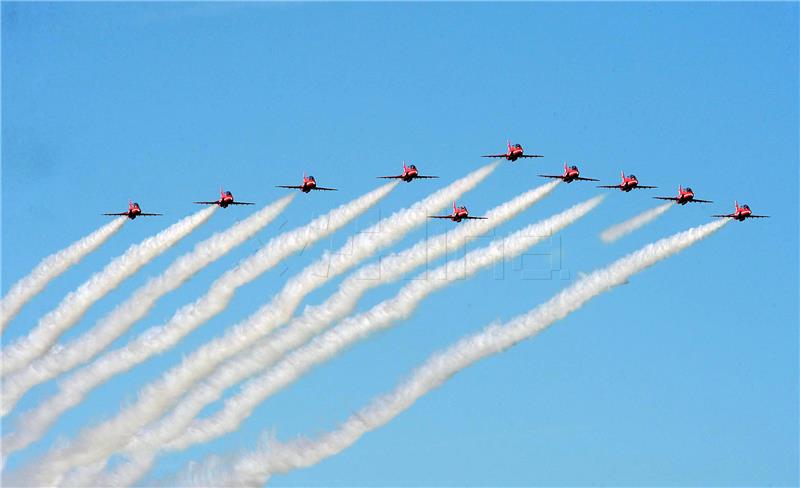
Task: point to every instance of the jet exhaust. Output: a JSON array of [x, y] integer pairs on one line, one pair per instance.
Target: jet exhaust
[[624, 228], [51, 268], [257, 467], [50, 327]]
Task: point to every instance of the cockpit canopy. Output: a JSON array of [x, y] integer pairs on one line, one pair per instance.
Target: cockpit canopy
[[574, 167], [688, 189], [745, 206], [311, 178], [136, 204], [517, 146], [411, 166], [632, 177], [228, 194]]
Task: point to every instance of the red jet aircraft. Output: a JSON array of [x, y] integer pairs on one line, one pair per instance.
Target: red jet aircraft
[[409, 173], [225, 199], [459, 214], [133, 211], [309, 183], [571, 174], [685, 195], [742, 213], [628, 183], [514, 152]]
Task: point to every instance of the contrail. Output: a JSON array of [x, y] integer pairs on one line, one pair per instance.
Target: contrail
[[72, 390], [50, 268], [256, 468], [323, 347], [63, 358], [624, 228], [74, 305], [154, 399]]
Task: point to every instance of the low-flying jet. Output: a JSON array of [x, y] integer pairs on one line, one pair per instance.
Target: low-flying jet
[[514, 152], [459, 214], [309, 183], [685, 195], [628, 183], [134, 210], [410, 172], [225, 199], [571, 173], [741, 213]]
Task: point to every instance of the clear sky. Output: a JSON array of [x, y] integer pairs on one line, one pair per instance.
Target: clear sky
[[686, 376]]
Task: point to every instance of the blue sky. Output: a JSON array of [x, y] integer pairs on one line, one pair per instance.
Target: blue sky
[[687, 376]]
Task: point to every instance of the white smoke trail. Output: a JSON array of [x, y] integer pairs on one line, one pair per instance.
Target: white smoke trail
[[63, 358], [74, 305], [624, 228], [72, 390], [325, 346], [256, 468], [50, 268], [154, 399]]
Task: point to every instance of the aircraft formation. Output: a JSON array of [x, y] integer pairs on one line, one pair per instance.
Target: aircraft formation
[[460, 213]]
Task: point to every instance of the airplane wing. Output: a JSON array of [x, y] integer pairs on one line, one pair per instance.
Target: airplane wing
[[322, 188], [475, 218], [206, 203], [289, 186], [440, 216], [426, 177], [558, 177], [580, 178], [390, 177], [757, 216], [674, 199], [695, 200], [494, 156], [727, 215], [241, 203], [147, 215], [644, 187], [609, 186], [531, 156], [121, 213]]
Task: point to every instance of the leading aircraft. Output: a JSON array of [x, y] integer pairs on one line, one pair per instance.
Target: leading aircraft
[[410, 172], [628, 183], [134, 210], [459, 214], [685, 195], [514, 152], [741, 213], [225, 199], [571, 173], [309, 183]]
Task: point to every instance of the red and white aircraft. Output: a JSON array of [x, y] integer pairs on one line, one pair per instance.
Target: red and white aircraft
[[514, 152], [410, 172], [459, 214], [685, 195], [741, 213], [571, 173], [225, 199], [133, 211], [309, 183], [628, 183]]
